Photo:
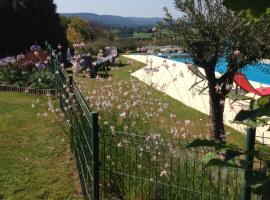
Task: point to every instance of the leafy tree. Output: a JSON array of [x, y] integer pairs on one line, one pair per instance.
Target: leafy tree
[[82, 27], [24, 22], [74, 36], [64, 21], [210, 31], [253, 8]]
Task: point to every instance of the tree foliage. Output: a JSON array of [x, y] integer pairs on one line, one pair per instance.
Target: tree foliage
[[64, 21], [210, 31], [253, 8], [24, 22], [79, 30], [82, 27], [74, 36]]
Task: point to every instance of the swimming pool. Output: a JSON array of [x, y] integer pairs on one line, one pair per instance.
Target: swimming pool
[[259, 72]]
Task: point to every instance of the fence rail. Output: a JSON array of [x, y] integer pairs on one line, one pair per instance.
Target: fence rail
[[11, 88], [117, 165], [83, 128]]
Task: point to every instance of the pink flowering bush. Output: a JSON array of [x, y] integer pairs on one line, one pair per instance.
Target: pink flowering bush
[[27, 70]]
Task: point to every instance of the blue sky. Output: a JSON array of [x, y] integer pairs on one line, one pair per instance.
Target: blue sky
[[126, 8]]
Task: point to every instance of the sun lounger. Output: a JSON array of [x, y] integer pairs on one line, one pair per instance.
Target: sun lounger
[[241, 80], [199, 75]]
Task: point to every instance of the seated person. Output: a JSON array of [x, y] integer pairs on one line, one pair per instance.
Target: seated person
[[86, 62], [100, 54]]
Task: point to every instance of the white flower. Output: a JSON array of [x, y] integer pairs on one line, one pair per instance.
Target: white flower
[[218, 88], [119, 145], [221, 102], [236, 52], [112, 128], [172, 115], [187, 122], [123, 114], [163, 173]]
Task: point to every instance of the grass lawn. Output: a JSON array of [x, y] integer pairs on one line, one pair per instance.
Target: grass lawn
[[35, 157]]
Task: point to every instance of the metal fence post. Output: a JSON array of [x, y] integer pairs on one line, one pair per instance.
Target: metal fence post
[[249, 158], [95, 162], [70, 80]]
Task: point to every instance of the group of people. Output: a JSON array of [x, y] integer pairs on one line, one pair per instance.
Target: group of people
[[84, 62]]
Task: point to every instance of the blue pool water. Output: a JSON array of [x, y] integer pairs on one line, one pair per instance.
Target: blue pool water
[[259, 72]]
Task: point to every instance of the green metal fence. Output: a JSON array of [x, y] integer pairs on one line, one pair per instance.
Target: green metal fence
[[83, 128], [150, 167], [117, 165]]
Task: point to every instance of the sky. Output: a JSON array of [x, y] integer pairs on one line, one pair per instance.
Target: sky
[[125, 8]]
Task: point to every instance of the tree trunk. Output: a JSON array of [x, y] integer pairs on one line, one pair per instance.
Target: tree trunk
[[216, 101]]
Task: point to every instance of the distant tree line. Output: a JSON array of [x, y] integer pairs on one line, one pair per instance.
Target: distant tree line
[[79, 30], [128, 32]]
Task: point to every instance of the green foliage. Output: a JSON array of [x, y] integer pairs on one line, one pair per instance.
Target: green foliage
[[79, 30], [64, 21], [252, 8], [134, 32], [256, 115], [231, 156], [35, 159], [13, 74], [82, 27], [142, 35], [27, 21]]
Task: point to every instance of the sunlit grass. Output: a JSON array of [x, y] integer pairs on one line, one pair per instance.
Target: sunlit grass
[[35, 157]]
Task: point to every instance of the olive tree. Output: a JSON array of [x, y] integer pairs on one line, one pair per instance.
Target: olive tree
[[210, 31], [252, 8]]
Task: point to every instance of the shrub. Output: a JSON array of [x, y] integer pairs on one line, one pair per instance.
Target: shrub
[[26, 71]]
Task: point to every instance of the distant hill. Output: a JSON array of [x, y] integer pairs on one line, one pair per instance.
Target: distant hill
[[116, 21]]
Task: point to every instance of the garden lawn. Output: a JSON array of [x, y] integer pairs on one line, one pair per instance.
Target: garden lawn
[[35, 157], [199, 125]]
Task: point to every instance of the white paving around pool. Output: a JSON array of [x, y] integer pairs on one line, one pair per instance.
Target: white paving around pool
[[175, 79]]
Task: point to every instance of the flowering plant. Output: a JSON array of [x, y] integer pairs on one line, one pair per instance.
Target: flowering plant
[[27, 70]]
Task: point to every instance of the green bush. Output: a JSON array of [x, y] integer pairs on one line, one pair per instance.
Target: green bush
[[30, 76]]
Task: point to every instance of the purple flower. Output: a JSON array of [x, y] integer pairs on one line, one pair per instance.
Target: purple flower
[[40, 66]]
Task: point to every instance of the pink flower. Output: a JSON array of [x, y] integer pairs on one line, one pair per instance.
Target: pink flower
[[236, 52]]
